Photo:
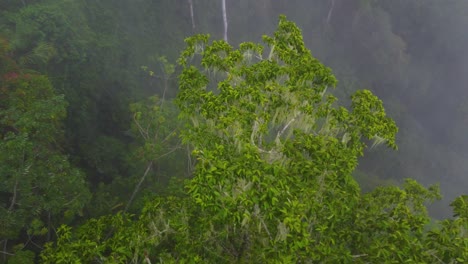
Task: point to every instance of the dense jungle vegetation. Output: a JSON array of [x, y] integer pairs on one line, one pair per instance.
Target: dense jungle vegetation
[[130, 135]]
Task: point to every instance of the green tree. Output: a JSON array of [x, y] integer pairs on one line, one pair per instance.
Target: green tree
[[273, 179], [39, 186], [275, 155]]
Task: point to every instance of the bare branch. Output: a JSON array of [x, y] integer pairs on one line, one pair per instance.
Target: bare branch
[[7, 253], [142, 179], [4, 252], [137, 188], [13, 200], [143, 133], [169, 152], [168, 136], [432, 254], [71, 201], [147, 260], [285, 127], [359, 255]]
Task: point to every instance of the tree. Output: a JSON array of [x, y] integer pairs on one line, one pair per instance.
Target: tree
[[39, 186], [275, 156], [272, 182]]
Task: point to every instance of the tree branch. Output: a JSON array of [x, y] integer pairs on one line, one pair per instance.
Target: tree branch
[[143, 133], [7, 253], [137, 188], [359, 255], [13, 200], [285, 127]]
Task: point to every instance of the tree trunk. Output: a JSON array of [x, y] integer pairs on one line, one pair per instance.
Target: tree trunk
[[330, 11], [192, 15], [225, 21]]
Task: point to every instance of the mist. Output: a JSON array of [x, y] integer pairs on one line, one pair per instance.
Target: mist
[[95, 130], [412, 54]]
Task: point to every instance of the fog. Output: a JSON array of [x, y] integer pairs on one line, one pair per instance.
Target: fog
[[95, 149], [412, 54]]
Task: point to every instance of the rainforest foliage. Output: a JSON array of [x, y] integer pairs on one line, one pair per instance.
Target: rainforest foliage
[[120, 143]]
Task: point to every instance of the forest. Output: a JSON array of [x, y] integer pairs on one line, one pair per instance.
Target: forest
[[247, 131]]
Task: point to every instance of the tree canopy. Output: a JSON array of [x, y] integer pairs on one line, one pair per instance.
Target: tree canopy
[[40, 187], [268, 150], [273, 179]]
